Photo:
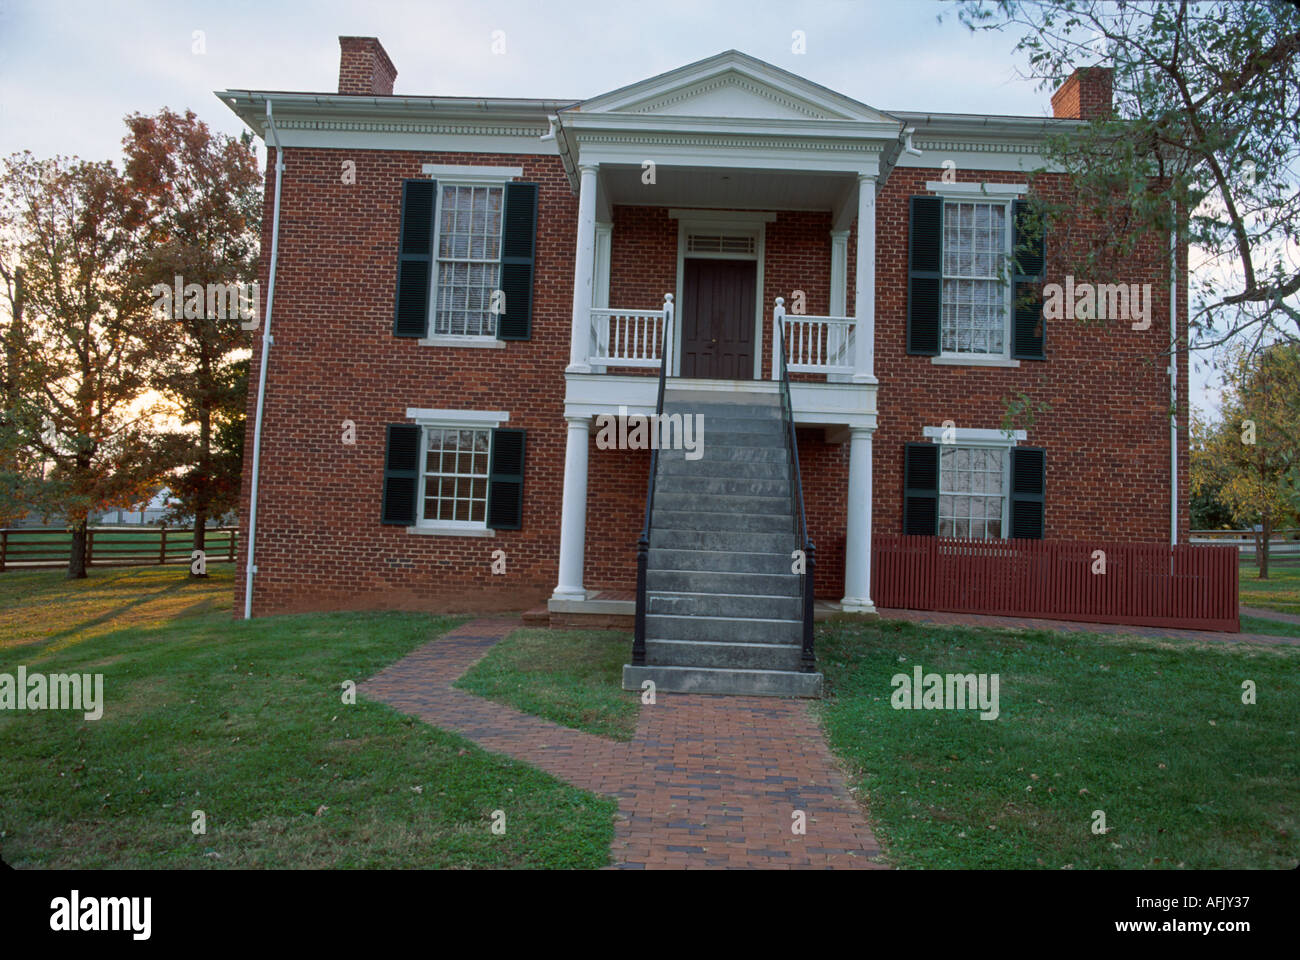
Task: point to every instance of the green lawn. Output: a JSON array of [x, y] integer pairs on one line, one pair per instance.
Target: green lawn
[[1154, 734], [1280, 592], [246, 723], [1274, 628], [571, 677]]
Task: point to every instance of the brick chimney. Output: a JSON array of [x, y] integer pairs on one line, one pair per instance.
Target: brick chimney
[[364, 68], [1085, 95]]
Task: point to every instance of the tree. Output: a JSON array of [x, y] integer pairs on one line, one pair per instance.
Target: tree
[[1252, 456], [201, 195], [1206, 126], [81, 342]]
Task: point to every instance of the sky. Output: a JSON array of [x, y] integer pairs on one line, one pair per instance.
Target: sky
[[70, 71]]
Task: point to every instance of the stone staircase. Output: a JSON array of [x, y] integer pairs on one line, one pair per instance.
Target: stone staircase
[[723, 609]]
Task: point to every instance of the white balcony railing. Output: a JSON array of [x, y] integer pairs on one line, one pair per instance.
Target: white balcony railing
[[814, 344], [629, 338]]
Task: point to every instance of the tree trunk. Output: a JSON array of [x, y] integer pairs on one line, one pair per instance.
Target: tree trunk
[[77, 553], [203, 490], [1265, 535], [200, 536]]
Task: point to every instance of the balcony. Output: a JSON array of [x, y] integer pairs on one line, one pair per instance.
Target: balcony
[[625, 347]]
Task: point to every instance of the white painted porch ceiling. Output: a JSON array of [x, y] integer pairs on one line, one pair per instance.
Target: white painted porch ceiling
[[715, 187]]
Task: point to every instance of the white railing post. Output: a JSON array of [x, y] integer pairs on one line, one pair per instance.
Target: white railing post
[[666, 347], [778, 314]]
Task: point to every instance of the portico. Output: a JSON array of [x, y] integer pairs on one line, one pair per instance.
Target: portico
[[725, 148]]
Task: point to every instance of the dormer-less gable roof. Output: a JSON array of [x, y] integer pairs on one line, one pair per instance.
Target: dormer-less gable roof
[[731, 84]]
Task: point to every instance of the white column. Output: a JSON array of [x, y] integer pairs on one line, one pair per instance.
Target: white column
[[839, 273], [857, 546], [573, 513], [584, 270], [864, 286]]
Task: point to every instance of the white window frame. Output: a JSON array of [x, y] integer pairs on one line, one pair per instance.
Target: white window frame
[[427, 419], [994, 193], [986, 439], [461, 175]]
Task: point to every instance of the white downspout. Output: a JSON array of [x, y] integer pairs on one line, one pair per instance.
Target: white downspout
[[1173, 379], [267, 341]]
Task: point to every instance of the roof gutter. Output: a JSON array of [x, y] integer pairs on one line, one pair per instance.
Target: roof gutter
[[250, 565]]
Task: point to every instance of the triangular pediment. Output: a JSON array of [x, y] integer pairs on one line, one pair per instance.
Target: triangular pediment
[[734, 85]]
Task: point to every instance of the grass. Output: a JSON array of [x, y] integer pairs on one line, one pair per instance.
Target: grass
[[1275, 628], [1152, 733], [573, 678], [1280, 592], [246, 722]]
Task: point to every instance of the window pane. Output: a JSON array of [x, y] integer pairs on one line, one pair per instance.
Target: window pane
[[456, 468], [469, 250]]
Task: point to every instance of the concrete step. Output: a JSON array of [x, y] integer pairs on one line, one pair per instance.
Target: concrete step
[[726, 422], [742, 540], [687, 604], [720, 561], [722, 503], [696, 581], [737, 656], [731, 453], [708, 438], [753, 403], [726, 486], [700, 520], [733, 469], [660, 626], [757, 683]]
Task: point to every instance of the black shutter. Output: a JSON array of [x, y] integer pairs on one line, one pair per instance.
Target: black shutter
[[505, 505], [518, 252], [401, 474], [1028, 270], [1028, 487], [415, 258], [921, 489], [924, 274]]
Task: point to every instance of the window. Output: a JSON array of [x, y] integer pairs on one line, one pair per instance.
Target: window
[[972, 491], [468, 248], [975, 305], [455, 477]]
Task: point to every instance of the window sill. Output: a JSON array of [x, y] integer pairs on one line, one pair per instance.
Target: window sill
[[432, 531], [447, 340], [973, 361]]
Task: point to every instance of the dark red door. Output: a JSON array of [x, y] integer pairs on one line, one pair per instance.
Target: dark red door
[[717, 319]]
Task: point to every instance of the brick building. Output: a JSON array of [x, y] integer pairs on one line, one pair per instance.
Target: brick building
[[469, 284]]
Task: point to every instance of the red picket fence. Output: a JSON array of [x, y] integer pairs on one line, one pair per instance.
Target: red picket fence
[[1148, 584]]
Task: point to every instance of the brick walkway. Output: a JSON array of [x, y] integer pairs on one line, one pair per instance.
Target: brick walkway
[[1028, 623], [707, 782]]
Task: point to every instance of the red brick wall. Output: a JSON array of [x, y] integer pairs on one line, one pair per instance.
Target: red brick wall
[[320, 544], [1107, 433], [319, 541]]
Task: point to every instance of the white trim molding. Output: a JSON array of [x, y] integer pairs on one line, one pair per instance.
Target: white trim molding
[[468, 419], [470, 173], [973, 360], [996, 191], [972, 436]]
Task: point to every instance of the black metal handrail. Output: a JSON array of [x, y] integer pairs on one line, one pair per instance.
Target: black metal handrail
[[807, 659], [643, 542]]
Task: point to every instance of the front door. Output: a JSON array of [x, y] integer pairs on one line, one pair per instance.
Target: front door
[[717, 319]]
